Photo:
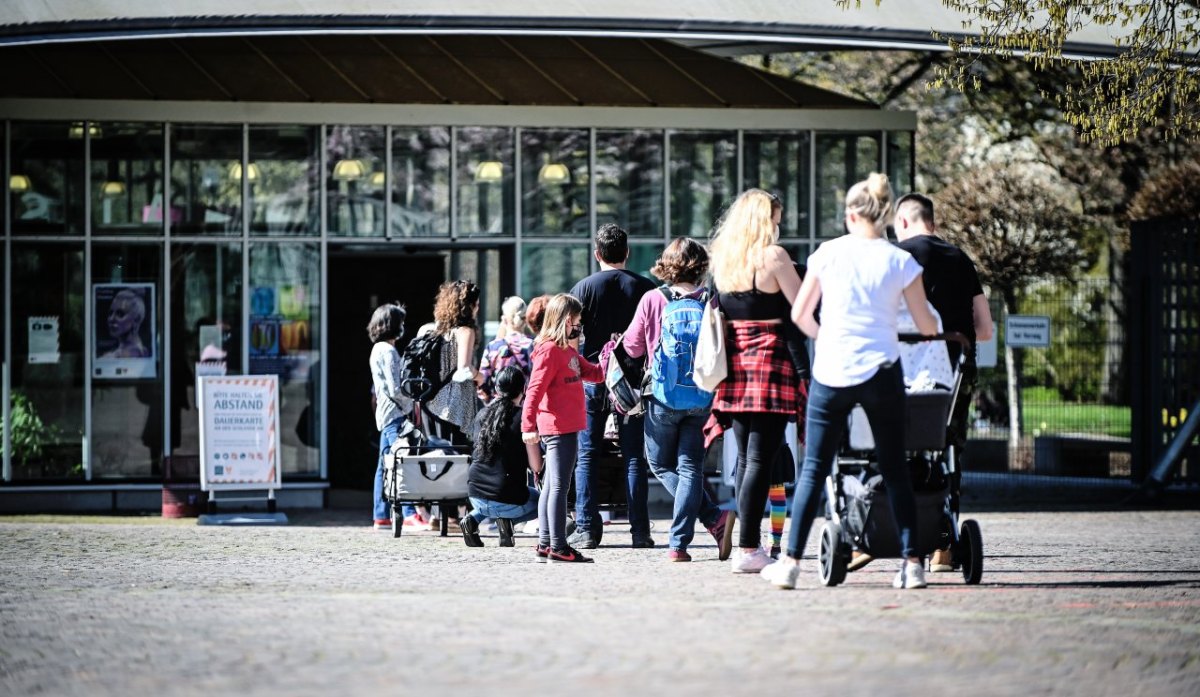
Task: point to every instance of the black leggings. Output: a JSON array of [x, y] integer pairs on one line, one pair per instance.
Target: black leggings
[[759, 436]]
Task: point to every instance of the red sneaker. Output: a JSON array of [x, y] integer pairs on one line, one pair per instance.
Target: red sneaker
[[566, 555], [678, 555], [722, 532], [541, 552], [383, 524]]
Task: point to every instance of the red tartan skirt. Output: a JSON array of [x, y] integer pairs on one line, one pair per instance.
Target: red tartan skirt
[[761, 377]]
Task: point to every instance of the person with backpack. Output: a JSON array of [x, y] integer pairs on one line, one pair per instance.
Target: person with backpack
[[554, 414], [496, 479], [391, 405], [456, 313], [666, 328], [510, 347]]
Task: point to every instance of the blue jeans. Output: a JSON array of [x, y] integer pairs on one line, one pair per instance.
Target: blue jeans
[[383, 509], [882, 398], [675, 451], [591, 440], [517, 513]]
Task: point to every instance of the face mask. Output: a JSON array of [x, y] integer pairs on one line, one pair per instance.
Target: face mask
[[575, 333]]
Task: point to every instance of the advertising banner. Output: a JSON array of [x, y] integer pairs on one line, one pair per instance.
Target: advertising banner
[[280, 331], [124, 341], [239, 432]]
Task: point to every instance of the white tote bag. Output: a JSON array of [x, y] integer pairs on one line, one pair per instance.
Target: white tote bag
[[712, 364]]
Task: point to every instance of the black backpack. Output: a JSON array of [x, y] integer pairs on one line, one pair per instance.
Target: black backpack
[[421, 375]]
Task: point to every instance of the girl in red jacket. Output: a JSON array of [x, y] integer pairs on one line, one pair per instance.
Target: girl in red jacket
[[554, 414]]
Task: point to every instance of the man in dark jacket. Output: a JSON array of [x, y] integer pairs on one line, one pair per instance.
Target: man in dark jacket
[[610, 297]]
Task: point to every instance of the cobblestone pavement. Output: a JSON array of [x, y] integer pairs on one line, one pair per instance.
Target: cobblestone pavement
[[1104, 603]]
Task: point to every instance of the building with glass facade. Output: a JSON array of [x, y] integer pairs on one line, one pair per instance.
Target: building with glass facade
[[249, 199]]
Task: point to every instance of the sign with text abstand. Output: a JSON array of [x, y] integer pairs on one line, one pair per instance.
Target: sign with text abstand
[[239, 432], [1028, 331]]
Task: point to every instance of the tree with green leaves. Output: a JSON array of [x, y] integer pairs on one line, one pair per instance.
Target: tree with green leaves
[[1153, 77]]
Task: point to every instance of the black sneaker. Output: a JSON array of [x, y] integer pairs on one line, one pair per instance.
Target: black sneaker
[[541, 552], [470, 531], [567, 556], [642, 542], [582, 539], [504, 527]]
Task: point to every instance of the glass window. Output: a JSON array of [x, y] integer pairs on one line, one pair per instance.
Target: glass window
[[629, 181], [421, 182], [703, 180], [126, 179], [206, 180], [127, 360], [554, 183], [642, 258], [206, 321], [46, 184], [284, 331], [490, 269], [553, 268], [282, 171], [900, 161], [354, 179], [485, 181], [779, 162], [48, 346], [843, 159]]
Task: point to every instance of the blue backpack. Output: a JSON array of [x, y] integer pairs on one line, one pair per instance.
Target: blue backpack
[[671, 380]]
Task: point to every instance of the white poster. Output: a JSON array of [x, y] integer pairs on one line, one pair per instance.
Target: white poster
[[43, 339], [239, 432], [124, 342]]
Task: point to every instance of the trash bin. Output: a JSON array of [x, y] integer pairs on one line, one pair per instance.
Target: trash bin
[[181, 496]]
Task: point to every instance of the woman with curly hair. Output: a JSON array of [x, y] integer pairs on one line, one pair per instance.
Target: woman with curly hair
[[674, 437], [455, 313]]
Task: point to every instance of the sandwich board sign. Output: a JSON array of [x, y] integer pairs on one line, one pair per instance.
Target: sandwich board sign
[[239, 432]]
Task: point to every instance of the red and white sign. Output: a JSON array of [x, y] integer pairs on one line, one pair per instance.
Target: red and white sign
[[239, 432]]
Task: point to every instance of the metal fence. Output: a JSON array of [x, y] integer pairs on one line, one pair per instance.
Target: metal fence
[[1073, 395]]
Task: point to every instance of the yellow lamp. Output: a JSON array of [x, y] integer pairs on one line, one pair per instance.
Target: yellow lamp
[[349, 170], [489, 171], [113, 189], [377, 180], [554, 173], [19, 183], [252, 172]]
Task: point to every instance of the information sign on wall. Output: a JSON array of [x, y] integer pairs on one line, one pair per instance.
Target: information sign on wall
[[239, 432]]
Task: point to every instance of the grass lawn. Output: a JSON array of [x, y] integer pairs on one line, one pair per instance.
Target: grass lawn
[[1046, 412]]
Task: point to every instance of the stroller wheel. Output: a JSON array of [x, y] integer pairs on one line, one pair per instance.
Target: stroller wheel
[[832, 560], [397, 522], [969, 552]]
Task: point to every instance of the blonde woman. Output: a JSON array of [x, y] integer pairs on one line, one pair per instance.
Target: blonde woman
[[756, 284], [554, 414], [512, 346], [859, 278]]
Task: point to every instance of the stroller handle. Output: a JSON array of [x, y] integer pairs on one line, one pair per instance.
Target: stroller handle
[[910, 338]]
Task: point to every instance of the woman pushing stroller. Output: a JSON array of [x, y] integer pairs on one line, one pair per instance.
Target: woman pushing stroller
[[858, 279]]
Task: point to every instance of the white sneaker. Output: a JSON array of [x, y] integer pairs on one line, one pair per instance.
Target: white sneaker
[[750, 563], [781, 574], [911, 575]]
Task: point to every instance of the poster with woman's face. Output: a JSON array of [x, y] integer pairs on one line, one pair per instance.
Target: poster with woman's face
[[124, 341]]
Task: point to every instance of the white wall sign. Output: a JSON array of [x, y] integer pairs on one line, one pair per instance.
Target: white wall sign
[[1027, 331], [239, 432], [43, 339]]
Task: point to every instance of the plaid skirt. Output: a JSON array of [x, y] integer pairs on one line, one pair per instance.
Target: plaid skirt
[[761, 377]]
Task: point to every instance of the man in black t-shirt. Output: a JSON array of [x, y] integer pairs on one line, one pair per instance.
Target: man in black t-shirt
[[610, 297], [952, 287]]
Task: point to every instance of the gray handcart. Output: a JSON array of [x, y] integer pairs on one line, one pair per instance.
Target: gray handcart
[[420, 471], [858, 513]]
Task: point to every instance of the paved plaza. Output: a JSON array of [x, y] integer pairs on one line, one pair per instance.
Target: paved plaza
[[1087, 603]]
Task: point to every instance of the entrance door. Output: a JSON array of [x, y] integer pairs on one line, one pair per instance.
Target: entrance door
[[360, 281]]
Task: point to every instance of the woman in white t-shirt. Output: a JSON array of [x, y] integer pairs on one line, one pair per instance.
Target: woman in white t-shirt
[[858, 279]]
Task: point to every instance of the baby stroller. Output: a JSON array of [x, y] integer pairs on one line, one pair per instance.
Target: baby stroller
[[858, 514]]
